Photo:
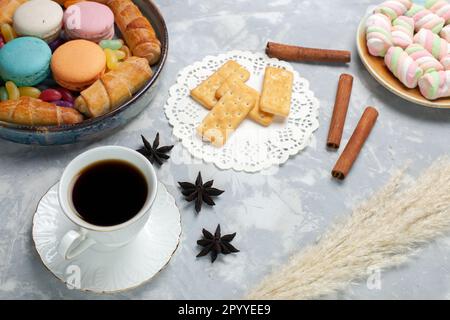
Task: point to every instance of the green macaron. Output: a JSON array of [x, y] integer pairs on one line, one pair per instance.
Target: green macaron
[[25, 61]]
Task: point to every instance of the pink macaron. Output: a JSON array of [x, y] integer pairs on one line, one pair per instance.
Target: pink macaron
[[90, 21]]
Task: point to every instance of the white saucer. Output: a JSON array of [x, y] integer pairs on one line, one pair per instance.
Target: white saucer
[[106, 272]]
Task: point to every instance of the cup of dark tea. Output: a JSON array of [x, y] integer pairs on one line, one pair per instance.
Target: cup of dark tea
[[107, 192]]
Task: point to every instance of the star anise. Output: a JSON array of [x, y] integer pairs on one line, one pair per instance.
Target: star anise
[[216, 244], [152, 152], [200, 192]]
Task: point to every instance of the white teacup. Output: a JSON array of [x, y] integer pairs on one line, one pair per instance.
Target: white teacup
[[87, 235]]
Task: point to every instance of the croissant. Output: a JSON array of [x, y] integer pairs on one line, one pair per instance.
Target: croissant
[[34, 112], [137, 31], [114, 87], [7, 9]]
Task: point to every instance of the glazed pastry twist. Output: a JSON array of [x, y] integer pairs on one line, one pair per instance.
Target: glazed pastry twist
[[114, 87], [425, 19], [136, 30], [435, 85], [34, 112], [378, 34], [424, 59], [403, 32], [439, 7], [403, 67], [435, 45], [394, 8], [7, 9]]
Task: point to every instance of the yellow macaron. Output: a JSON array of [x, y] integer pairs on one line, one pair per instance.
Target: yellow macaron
[[77, 64]]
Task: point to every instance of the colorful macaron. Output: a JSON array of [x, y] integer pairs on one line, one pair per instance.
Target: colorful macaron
[[25, 61], [77, 64], [89, 20], [39, 18]]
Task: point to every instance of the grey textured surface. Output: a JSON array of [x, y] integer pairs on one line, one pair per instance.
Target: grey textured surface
[[274, 214]]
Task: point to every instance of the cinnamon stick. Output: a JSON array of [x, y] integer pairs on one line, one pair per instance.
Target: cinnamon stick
[[355, 144], [343, 94], [295, 53]]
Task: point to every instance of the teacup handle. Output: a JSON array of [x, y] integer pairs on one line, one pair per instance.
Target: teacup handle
[[74, 243]]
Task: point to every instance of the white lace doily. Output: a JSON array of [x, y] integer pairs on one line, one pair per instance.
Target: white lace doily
[[251, 147]]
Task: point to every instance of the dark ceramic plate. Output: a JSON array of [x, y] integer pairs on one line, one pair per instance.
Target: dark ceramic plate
[[99, 127]]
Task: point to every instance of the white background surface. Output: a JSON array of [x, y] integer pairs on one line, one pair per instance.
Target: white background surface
[[274, 214]]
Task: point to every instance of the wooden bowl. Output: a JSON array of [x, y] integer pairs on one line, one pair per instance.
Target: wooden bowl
[[381, 73]]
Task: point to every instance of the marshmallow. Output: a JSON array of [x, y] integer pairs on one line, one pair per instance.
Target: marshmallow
[[435, 45], [439, 7], [403, 32], [424, 59], [425, 19], [403, 67], [445, 33], [435, 85], [394, 8], [378, 34], [446, 62]]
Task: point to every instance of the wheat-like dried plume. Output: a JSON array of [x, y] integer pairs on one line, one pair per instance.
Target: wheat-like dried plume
[[383, 232]]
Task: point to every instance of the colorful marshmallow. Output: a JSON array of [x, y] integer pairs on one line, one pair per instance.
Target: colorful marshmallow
[[424, 59], [439, 7], [403, 32], [445, 33], [415, 43], [435, 45], [394, 8], [425, 19], [435, 85], [378, 34], [403, 67], [446, 62]]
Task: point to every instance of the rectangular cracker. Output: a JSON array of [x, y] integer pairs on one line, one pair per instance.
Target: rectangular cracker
[[256, 114], [205, 93], [277, 91], [226, 116]]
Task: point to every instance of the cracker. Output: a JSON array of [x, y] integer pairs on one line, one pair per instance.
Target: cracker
[[277, 91], [226, 86], [256, 114], [226, 116], [205, 93]]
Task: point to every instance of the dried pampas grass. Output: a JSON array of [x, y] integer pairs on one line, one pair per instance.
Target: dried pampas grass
[[381, 233]]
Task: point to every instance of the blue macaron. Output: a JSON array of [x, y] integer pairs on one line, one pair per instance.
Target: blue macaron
[[25, 61]]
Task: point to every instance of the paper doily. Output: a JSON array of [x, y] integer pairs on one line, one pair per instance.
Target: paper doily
[[251, 147]]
